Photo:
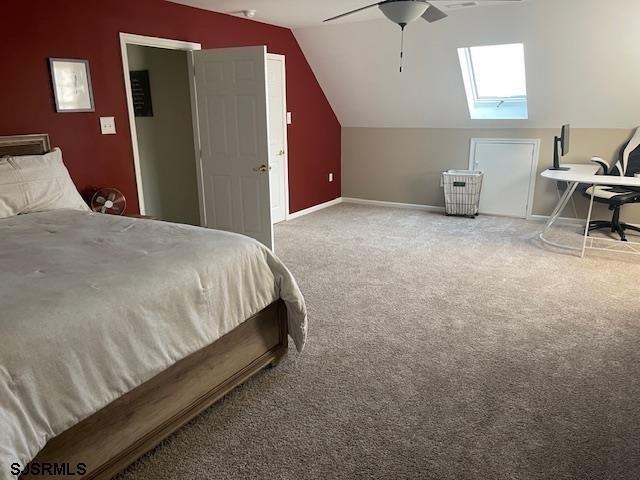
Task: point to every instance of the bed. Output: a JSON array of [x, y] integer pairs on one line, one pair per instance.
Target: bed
[[116, 331]]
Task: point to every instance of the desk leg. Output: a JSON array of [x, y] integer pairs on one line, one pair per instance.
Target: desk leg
[[586, 227], [562, 203]]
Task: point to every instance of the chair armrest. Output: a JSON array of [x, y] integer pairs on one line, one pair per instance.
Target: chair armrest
[[602, 163]]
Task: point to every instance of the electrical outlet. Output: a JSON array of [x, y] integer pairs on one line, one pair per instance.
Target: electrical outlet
[[289, 120], [107, 125], [331, 177]]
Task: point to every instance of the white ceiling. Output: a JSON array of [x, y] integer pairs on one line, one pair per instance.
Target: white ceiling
[[306, 13], [582, 59]]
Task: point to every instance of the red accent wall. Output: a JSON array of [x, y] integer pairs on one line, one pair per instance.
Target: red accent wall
[[36, 30]]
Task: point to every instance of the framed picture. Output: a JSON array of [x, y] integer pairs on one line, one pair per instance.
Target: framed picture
[[71, 85]]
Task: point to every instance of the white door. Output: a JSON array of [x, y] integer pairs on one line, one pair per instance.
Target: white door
[[232, 123], [277, 136], [509, 167]]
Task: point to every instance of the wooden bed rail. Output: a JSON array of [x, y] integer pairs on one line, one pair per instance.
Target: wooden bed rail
[[109, 440]]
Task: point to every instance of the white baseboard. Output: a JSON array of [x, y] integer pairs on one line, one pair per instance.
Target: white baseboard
[[432, 208], [412, 206], [363, 201], [315, 208], [380, 203]]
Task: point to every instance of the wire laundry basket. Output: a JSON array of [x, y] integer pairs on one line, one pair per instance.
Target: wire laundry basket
[[462, 192]]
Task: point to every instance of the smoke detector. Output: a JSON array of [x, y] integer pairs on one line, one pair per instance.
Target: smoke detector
[[248, 13]]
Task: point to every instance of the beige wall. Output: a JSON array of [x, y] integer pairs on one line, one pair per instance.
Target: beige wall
[[165, 140], [404, 164]]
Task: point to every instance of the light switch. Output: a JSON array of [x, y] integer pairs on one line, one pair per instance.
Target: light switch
[[289, 118], [107, 125]]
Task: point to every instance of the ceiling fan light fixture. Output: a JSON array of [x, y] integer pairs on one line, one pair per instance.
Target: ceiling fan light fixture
[[403, 12]]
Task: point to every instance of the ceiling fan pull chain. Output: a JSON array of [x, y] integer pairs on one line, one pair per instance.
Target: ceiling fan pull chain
[[402, 25]]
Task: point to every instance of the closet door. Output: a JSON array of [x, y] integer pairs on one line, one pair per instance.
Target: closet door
[[277, 136], [509, 167], [233, 129]]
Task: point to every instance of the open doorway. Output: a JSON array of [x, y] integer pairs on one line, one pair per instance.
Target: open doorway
[[162, 112], [159, 99]]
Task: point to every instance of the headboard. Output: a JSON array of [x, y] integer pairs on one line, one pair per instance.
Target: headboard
[[14, 145]]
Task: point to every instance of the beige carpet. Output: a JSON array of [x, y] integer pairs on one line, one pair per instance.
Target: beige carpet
[[439, 348]]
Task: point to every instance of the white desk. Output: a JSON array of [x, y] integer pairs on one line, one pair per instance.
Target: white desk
[[586, 173]]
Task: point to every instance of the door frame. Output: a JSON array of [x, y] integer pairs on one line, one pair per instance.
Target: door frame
[[534, 164], [285, 129], [169, 44]]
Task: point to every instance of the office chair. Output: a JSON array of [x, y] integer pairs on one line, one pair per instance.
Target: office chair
[[627, 165]]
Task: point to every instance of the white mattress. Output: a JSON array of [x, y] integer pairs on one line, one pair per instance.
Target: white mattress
[[93, 305]]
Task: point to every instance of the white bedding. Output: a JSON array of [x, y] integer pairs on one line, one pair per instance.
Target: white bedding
[[93, 305]]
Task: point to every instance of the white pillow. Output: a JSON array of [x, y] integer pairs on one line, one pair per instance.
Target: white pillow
[[36, 183]]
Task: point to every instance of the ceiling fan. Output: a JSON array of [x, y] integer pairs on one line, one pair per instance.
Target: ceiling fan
[[403, 12]]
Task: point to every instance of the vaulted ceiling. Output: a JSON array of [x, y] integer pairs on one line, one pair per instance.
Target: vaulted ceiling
[[307, 13], [582, 60]]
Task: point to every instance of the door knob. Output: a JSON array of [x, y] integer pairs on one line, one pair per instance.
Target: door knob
[[262, 168]]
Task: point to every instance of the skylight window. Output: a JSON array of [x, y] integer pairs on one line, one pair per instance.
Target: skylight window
[[494, 79]]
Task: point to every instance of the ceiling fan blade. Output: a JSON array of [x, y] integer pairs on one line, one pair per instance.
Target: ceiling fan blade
[[352, 11], [433, 14]]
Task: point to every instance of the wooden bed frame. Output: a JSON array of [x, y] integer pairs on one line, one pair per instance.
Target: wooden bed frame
[[109, 440], [112, 438], [35, 144]]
